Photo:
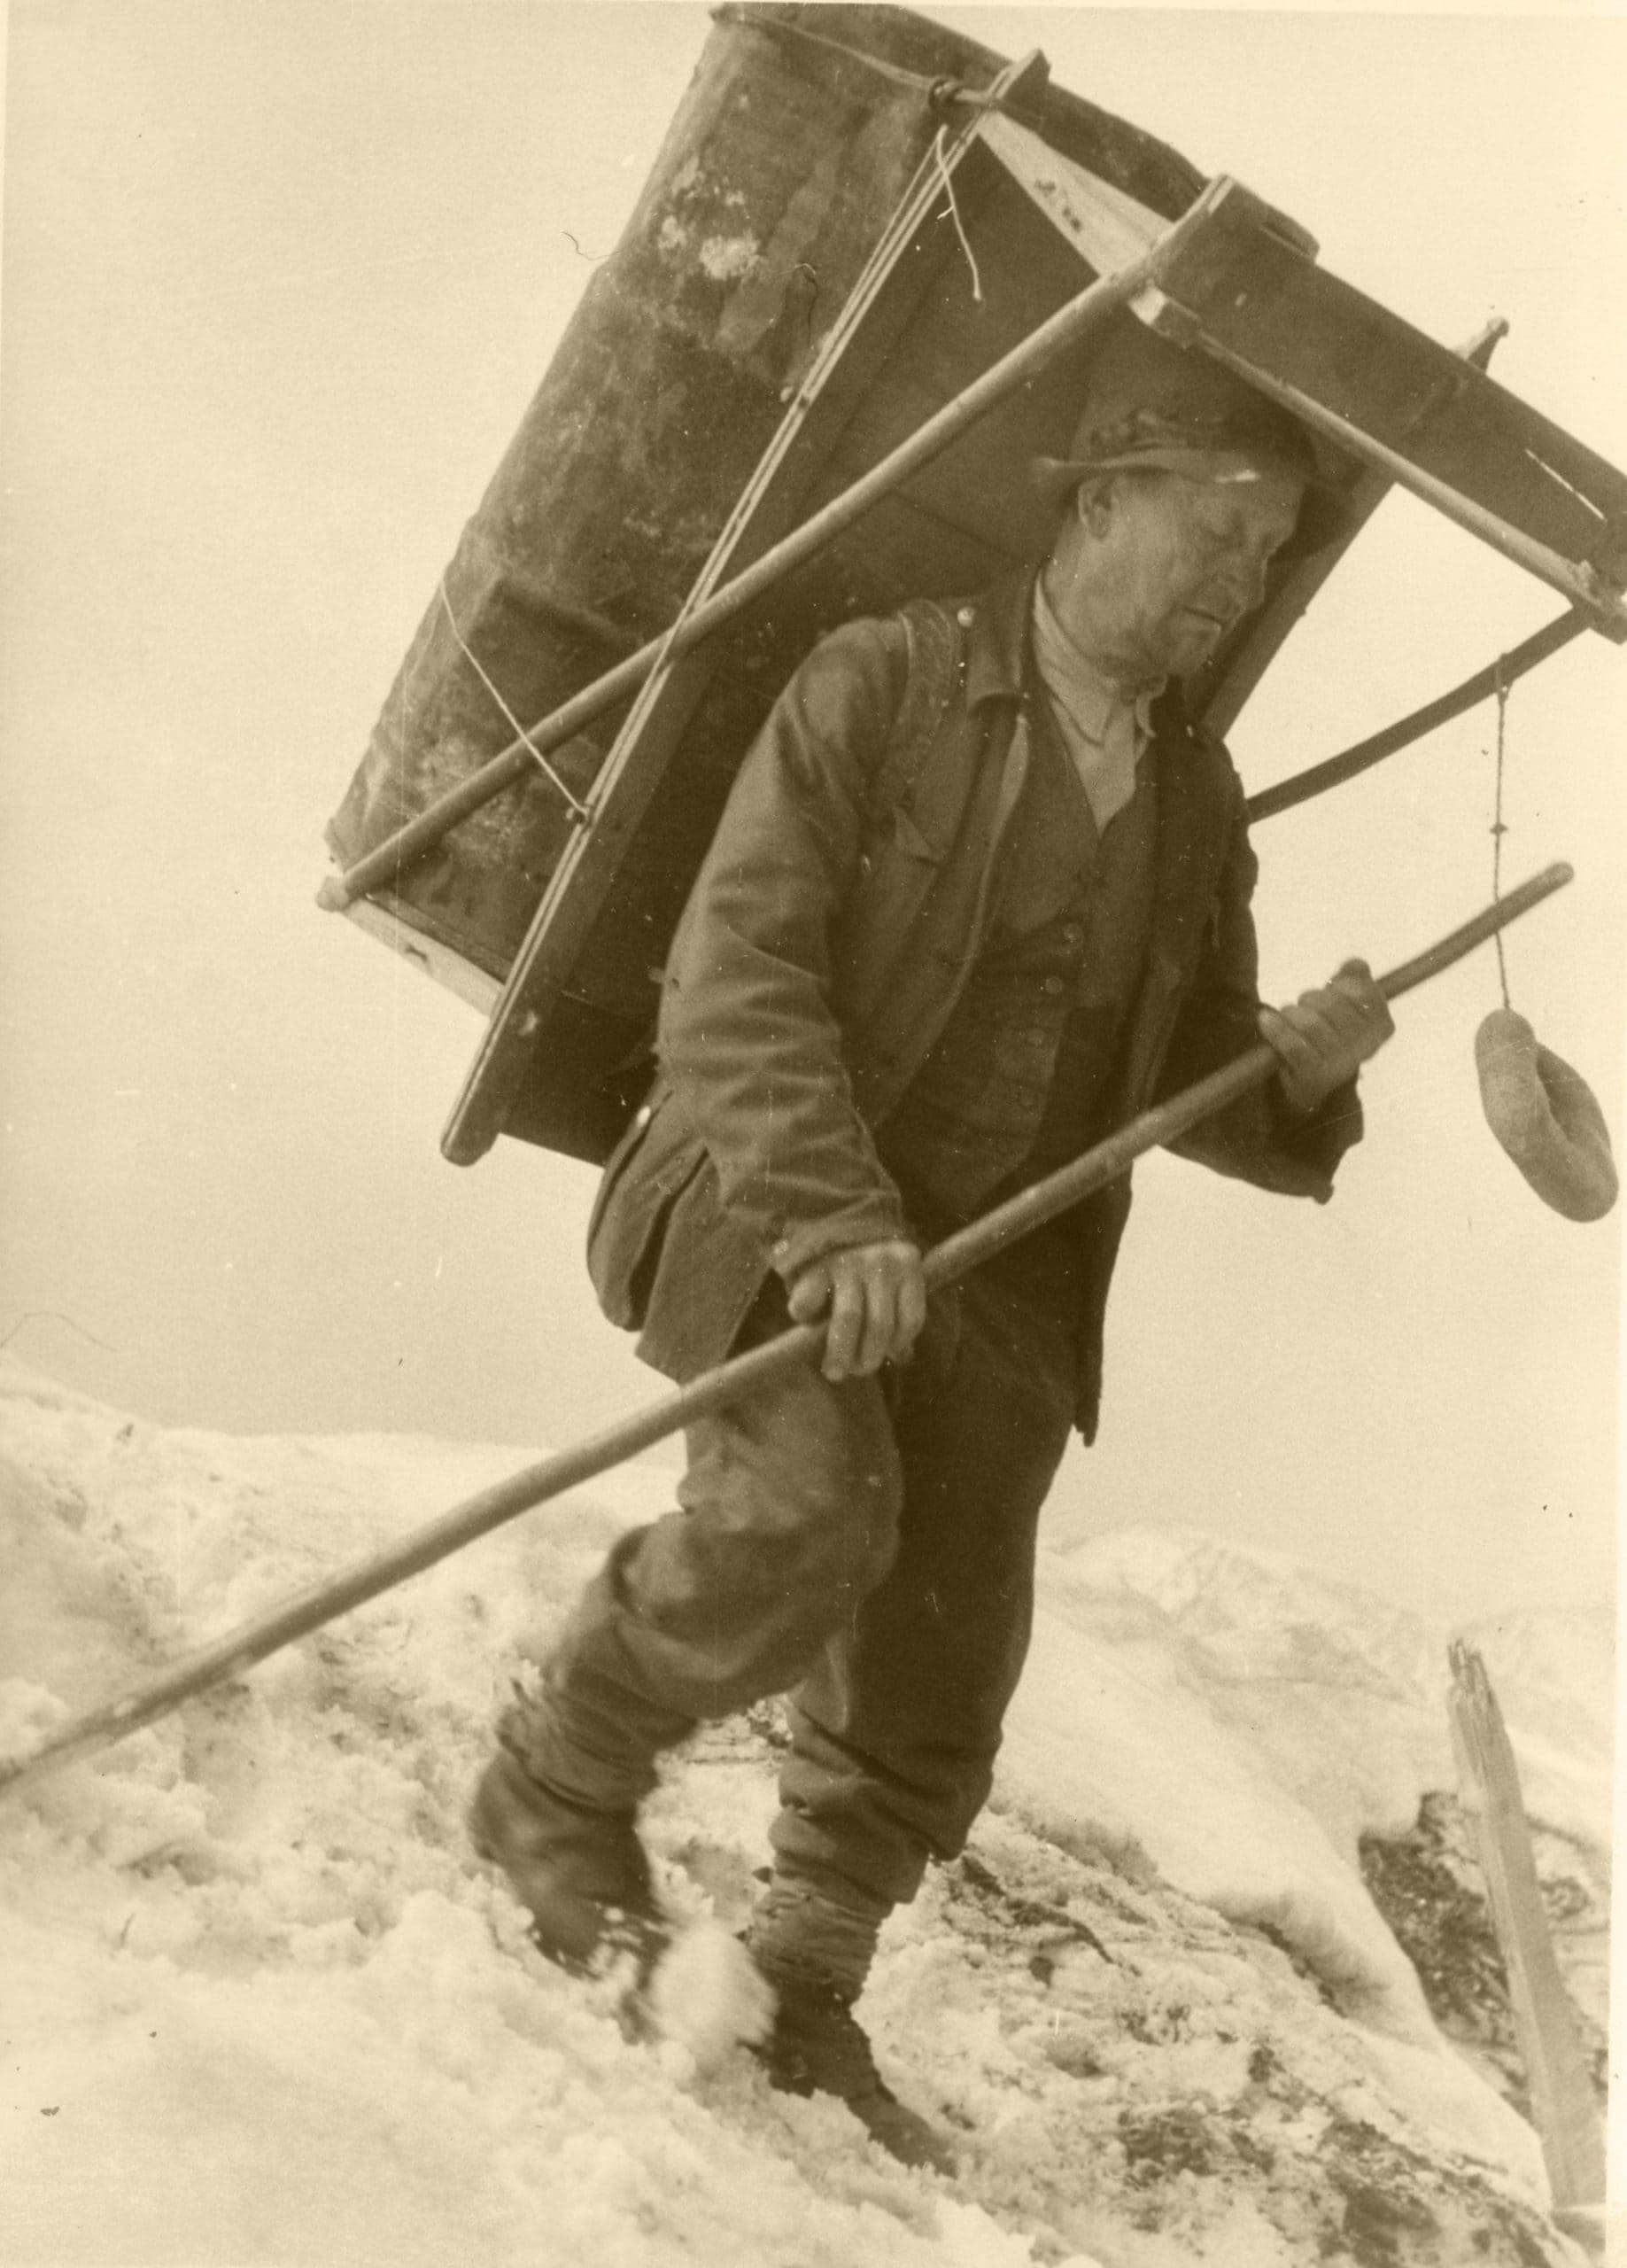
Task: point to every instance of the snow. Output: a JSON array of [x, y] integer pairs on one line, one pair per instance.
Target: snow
[[708, 1997], [1247, 1721], [259, 2002]]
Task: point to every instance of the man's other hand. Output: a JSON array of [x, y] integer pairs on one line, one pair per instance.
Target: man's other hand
[[1326, 1037], [875, 1295]]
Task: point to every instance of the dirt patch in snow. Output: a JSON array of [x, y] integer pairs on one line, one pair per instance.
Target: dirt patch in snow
[[1427, 1884]]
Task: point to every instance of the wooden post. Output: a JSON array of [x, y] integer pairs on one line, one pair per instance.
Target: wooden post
[[1563, 2108]]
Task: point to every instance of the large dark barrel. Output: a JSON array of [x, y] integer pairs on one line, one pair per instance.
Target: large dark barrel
[[800, 132]]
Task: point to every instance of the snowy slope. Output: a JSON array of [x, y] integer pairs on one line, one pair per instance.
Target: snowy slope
[[259, 2005], [1247, 1721]]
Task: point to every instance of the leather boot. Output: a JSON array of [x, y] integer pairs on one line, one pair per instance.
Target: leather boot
[[813, 1941], [582, 1874], [818, 2046]]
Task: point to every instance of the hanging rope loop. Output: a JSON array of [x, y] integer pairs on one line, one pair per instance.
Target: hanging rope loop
[[1501, 687]]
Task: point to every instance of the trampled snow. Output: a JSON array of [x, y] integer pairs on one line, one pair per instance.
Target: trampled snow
[[260, 2004]]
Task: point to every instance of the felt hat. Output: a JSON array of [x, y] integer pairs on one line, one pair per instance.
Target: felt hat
[[1147, 403]]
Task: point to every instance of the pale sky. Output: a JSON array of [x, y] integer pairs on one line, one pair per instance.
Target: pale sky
[[280, 278]]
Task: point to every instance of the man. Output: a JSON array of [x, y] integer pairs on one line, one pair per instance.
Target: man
[[979, 893]]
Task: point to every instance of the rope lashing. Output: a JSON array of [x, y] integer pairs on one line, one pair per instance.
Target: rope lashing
[[1541, 1111], [579, 809]]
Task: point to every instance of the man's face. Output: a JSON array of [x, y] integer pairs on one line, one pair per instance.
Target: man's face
[[1167, 565]]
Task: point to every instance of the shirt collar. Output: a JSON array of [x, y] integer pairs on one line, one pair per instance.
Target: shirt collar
[[1092, 699], [996, 626]]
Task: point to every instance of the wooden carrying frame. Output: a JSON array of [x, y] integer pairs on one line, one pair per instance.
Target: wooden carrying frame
[[899, 469]]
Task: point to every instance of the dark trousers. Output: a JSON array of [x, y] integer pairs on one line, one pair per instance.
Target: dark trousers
[[867, 1547]]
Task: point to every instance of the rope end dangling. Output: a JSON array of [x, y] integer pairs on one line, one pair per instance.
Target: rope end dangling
[[1500, 686], [1541, 1111], [948, 190]]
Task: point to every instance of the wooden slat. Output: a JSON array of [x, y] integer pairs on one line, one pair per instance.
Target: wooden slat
[[1105, 225], [1253, 300], [1562, 2105], [394, 928]]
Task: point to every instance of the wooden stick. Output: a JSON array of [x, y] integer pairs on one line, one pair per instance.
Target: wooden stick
[[1563, 2108], [1070, 322], [308, 1610], [1364, 754]]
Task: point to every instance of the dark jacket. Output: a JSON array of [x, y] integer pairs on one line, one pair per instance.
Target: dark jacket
[[825, 942]]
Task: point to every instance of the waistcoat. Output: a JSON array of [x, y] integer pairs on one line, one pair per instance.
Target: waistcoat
[[1020, 1078]]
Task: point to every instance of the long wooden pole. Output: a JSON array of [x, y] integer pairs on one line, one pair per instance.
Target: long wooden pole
[[308, 1610], [384, 863]]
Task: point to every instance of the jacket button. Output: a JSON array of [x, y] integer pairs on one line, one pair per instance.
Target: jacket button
[[1052, 985], [642, 1117], [966, 615]]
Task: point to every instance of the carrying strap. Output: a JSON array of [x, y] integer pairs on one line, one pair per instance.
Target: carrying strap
[[931, 670]]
